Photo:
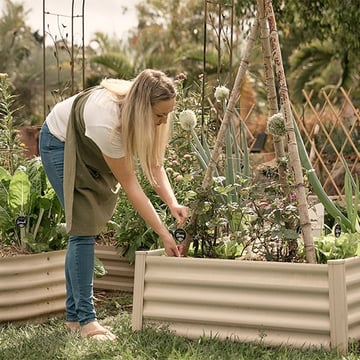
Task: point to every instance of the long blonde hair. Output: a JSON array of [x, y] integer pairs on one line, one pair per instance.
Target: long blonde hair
[[140, 136]]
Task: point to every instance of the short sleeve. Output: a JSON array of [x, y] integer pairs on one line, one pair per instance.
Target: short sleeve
[[108, 140], [101, 116]]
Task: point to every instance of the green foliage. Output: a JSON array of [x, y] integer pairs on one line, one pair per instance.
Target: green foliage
[[261, 222], [331, 247], [118, 63], [99, 268], [11, 152], [317, 188], [130, 231], [52, 341], [352, 198], [30, 213]]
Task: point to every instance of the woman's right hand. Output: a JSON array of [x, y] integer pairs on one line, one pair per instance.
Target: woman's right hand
[[171, 248]]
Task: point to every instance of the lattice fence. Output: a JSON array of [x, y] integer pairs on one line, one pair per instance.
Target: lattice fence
[[331, 132]]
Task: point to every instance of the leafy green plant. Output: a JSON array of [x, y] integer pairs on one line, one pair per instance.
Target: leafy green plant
[[331, 246], [30, 213], [131, 232], [237, 215]]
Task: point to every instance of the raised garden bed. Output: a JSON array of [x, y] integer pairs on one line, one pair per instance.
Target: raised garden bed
[[297, 304]]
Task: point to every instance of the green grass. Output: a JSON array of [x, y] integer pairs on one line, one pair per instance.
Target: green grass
[[50, 340]]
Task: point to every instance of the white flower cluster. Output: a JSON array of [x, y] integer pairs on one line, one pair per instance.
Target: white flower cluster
[[187, 119], [221, 93]]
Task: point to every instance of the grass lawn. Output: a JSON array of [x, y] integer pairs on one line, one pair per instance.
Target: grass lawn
[[50, 340]]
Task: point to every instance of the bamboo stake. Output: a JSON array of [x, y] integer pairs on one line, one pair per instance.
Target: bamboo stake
[[291, 139], [278, 141], [229, 113]]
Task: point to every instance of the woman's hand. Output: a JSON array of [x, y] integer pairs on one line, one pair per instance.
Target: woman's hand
[[143, 206], [164, 190], [171, 248], [180, 213]]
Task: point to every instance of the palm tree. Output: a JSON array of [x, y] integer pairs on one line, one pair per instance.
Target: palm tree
[[320, 65]]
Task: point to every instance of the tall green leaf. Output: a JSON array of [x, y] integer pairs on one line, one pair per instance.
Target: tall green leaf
[[19, 192]]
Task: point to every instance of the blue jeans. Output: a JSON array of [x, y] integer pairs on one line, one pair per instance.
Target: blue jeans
[[79, 261]]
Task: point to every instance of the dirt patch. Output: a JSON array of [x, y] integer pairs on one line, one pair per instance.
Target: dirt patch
[[11, 250]]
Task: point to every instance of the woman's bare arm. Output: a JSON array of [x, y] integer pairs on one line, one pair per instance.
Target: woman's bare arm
[[140, 201], [165, 191]]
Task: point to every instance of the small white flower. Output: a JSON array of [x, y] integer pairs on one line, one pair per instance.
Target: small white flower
[[221, 93], [187, 119]]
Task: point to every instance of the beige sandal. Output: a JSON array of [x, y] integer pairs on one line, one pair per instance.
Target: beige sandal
[[100, 335]]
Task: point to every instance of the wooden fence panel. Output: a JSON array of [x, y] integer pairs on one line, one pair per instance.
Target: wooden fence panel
[[331, 132]]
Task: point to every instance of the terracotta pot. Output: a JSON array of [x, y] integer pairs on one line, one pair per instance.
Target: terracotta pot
[[297, 304]]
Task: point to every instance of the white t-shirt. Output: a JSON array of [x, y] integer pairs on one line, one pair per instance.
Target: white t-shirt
[[101, 117]]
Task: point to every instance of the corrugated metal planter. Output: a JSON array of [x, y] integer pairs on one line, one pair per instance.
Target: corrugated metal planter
[[276, 303], [32, 286], [120, 273]]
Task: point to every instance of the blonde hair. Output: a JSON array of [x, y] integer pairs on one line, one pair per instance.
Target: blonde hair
[[141, 137]]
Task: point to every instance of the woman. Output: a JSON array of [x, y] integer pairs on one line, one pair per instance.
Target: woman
[[88, 145]]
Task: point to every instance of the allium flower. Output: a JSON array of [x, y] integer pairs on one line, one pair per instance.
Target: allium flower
[[181, 76], [187, 119], [276, 125], [221, 93]]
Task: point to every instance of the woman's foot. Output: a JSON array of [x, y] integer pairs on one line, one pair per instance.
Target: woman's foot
[[95, 331], [72, 325]]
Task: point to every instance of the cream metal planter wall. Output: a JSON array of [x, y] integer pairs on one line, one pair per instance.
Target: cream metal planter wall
[[277, 303], [120, 273], [32, 286]]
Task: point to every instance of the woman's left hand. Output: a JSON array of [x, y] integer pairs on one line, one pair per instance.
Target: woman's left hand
[[180, 213]]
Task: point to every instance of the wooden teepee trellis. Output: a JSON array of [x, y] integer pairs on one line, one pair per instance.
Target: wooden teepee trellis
[[265, 20]]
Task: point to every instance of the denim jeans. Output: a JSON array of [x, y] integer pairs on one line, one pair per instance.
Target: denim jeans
[[79, 261]]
